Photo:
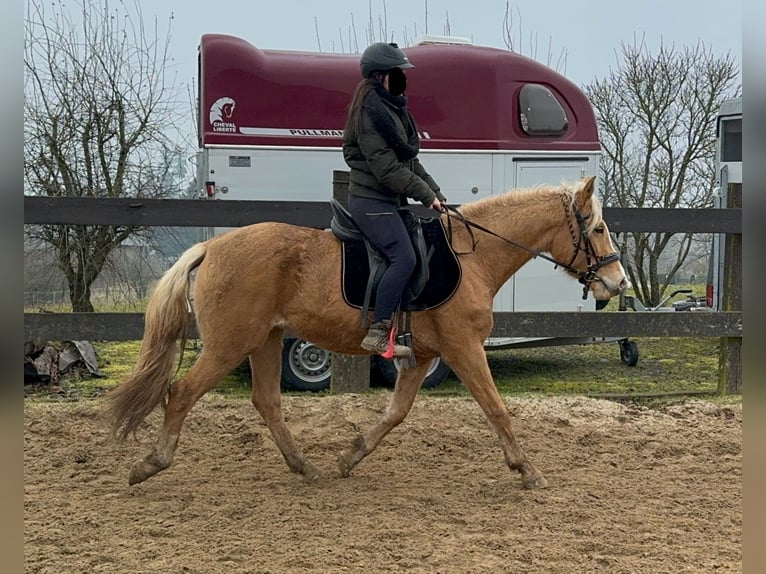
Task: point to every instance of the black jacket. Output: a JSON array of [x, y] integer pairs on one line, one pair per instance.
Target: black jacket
[[377, 172]]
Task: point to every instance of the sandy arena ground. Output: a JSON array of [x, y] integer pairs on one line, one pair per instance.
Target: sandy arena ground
[[631, 490]]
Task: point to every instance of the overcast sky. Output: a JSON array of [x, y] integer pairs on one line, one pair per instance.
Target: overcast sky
[[589, 30]]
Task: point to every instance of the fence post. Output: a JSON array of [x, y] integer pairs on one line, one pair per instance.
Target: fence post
[[730, 353], [348, 373]]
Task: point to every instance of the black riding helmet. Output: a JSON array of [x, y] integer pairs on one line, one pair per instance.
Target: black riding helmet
[[382, 57]]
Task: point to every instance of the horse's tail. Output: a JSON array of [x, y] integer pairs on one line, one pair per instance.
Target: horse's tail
[[166, 321]]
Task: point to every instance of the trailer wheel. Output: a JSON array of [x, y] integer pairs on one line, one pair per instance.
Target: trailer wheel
[[305, 367], [628, 352], [384, 372]]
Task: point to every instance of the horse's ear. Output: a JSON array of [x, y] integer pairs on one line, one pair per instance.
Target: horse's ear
[[586, 190]]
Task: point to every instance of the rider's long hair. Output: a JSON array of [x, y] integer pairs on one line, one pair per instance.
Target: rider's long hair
[[354, 114]]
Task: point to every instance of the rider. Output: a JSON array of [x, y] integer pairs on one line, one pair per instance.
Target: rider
[[380, 146]]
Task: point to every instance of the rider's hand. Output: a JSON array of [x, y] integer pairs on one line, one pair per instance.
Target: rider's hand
[[438, 206]]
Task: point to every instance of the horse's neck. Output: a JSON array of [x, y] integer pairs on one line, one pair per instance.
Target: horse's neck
[[530, 223]]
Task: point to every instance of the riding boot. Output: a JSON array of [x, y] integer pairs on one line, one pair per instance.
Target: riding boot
[[379, 338]]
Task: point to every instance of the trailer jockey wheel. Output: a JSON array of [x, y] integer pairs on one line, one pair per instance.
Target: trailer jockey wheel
[[628, 352]]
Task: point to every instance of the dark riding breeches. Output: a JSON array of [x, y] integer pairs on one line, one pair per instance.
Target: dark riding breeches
[[383, 226]]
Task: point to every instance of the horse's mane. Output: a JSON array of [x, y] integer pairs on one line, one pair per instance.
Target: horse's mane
[[510, 202]]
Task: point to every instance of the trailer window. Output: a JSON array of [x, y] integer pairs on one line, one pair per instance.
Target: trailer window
[[540, 112], [732, 140]]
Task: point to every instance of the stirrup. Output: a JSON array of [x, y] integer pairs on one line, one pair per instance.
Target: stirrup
[[391, 349]]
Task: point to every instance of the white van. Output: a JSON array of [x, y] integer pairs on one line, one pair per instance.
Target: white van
[[729, 170]]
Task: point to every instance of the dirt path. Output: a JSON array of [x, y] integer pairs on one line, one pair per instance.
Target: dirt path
[[631, 490]]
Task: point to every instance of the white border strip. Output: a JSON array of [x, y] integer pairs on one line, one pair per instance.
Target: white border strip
[[520, 152]]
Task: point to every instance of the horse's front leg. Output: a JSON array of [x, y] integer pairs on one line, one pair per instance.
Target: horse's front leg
[[406, 389], [266, 369], [470, 365]]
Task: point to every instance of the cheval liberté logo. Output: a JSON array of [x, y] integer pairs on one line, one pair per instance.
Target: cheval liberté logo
[[222, 110], [220, 114]]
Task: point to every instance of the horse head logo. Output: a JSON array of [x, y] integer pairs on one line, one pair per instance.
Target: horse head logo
[[222, 110]]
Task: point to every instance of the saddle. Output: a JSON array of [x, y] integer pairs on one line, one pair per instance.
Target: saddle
[[437, 270]]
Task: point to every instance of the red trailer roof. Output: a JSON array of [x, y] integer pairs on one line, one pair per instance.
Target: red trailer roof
[[462, 97]]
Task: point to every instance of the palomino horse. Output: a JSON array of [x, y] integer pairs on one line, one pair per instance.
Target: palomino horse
[[255, 282]]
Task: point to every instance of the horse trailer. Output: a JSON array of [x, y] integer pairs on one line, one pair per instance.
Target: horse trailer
[[270, 127]]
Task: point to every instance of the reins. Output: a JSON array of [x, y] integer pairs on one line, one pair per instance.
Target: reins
[[593, 261]]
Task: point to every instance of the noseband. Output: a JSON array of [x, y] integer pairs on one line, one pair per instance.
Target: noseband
[[581, 242]]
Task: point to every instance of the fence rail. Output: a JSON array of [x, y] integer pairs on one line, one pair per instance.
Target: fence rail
[[130, 326], [236, 213]]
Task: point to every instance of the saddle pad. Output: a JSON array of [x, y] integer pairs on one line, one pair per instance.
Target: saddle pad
[[444, 271]]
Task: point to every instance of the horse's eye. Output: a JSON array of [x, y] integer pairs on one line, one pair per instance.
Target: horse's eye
[[599, 229]]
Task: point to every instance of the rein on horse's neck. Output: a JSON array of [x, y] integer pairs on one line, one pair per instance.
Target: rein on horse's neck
[[527, 217]]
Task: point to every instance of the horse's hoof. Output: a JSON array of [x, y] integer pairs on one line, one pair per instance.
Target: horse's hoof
[[312, 475], [137, 474], [140, 471], [534, 482], [344, 465]]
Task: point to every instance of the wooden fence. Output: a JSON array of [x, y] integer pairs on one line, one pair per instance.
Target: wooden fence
[[725, 324]]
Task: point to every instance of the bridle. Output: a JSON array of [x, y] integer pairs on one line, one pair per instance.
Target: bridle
[[583, 243], [580, 242]]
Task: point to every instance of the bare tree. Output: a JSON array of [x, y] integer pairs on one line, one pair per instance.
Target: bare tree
[[656, 116], [515, 44], [98, 109], [377, 29]]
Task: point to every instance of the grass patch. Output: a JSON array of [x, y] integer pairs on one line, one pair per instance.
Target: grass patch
[[116, 360], [665, 365]]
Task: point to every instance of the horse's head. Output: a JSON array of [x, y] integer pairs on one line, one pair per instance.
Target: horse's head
[[586, 245]]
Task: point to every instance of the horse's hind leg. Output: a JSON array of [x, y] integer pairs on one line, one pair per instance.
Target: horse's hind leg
[[470, 365], [407, 385], [205, 374], [266, 369]]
